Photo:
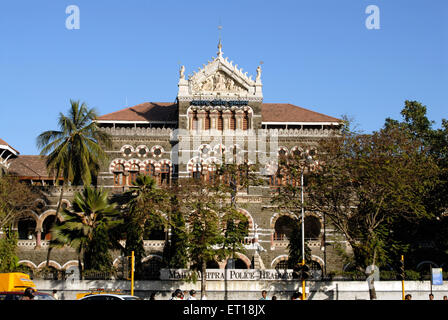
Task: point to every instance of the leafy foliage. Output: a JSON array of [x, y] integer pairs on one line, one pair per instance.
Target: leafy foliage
[[85, 227], [74, 151], [8, 244], [15, 198], [368, 181], [144, 204]]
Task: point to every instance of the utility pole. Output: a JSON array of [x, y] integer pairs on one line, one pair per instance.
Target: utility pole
[[132, 273], [402, 277]]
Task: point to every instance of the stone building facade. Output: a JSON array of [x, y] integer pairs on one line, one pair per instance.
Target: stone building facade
[[219, 111]]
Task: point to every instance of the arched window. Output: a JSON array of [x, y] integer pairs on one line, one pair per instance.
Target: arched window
[[26, 228], [236, 264], [150, 170], [282, 265], [207, 121], [154, 233], [197, 171], [275, 181], [152, 268], [246, 121], [220, 122], [212, 265], [47, 225], [284, 227], [133, 173], [165, 174], [312, 227], [282, 153], [194, 121], [232, 124], [119, 177]]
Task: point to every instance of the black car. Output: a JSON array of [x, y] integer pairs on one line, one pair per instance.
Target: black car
[[17, 295]]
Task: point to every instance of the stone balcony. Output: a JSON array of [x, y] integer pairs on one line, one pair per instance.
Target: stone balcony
[[283, 243], [139, 131], [32, 244], [174, 133]]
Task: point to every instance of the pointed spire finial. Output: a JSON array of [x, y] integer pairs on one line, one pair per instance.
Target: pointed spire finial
[[219, 48], [219, 42]]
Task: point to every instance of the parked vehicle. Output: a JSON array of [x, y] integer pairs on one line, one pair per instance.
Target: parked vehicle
[[17, 295], [13, 285], [15, 281], [97, 291], [108, 296]]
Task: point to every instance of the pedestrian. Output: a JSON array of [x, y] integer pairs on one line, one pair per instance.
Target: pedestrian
[[153, 296], [431, 296], [28, 294], [296, 296], [192, 295], [408, 297], [264, 294], [55, 294], [274, 297], [445, 298], [177, 295]]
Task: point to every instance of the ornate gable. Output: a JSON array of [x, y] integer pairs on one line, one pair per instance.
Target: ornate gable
[[220, 79]]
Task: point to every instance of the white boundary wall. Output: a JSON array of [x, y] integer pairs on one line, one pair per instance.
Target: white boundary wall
[[251, 290]]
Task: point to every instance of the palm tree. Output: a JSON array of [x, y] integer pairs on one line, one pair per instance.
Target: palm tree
[[145, 203], [90, 216], [74, 151]]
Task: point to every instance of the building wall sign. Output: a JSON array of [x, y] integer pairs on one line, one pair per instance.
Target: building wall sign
[[219, 103], [228, 274]]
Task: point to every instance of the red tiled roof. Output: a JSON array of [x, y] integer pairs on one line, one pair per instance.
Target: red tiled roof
[[3, 143], [147, 111], [286, 112], [164, 111], [29, 166]]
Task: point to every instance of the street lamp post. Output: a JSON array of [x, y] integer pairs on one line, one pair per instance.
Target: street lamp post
[[308, 161], [303, 235]]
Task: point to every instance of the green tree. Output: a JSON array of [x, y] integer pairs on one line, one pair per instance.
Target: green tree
[[433, 228], [145, 204], [234, 176], [295, 247], [8, 245], [288, 198], [97, 255], [176, 248], [76, 150], [15, 198], [365, 183], [201, 205], [89, 220], [235, 230]]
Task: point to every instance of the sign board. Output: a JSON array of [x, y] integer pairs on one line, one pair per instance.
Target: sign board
[[219, 102], [437, 276], [229, 274]]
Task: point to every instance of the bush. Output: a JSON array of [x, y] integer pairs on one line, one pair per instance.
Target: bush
[[412, 275], [347, 276], [387, 275]]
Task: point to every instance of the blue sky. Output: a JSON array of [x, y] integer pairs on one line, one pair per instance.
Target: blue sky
[[316, 54]]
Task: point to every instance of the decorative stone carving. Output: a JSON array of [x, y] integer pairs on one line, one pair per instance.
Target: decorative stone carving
[[220, 77], [258, 74], [219, 82], [182, 72]]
